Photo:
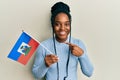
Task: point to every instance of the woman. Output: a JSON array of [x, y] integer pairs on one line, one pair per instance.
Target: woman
[[67, 51]]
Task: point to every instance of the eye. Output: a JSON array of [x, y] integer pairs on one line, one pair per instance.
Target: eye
[[57, 24], [67, 24]]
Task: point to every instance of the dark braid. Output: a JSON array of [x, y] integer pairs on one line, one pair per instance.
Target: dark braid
[[55, 54], [57, 8]]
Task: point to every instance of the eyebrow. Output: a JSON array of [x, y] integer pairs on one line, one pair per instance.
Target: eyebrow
[[60, 21]]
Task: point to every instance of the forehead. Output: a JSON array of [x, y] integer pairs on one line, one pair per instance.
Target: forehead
[[62, 17]]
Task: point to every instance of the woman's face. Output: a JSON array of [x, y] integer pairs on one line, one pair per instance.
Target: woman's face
[[61, 27]]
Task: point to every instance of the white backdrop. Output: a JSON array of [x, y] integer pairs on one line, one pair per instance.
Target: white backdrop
[[95, 22]]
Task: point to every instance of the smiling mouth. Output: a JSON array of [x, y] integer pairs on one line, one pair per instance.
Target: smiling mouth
[[62, 33]]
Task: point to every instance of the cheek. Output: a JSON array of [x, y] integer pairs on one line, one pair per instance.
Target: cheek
[[68, 29], [56, 28]]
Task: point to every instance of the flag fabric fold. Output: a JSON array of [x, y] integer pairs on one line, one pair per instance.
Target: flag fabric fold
[[23, 49]]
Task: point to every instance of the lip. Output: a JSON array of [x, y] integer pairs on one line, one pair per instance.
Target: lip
[[62, 33]]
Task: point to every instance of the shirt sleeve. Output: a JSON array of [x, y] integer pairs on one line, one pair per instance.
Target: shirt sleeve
[[39, 68], [85, 63]]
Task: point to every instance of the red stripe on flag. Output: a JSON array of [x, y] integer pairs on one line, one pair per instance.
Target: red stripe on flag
[[24, 59]]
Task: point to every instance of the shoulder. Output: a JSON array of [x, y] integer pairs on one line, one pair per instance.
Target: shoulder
[[78, 42], [47, 41], [45, 44]]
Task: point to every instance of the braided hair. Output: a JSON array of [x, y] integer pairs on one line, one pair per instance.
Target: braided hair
[[56, 9]]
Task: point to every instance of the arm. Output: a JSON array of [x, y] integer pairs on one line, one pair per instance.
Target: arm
[[39, 68], [86, 65], [79, 50]]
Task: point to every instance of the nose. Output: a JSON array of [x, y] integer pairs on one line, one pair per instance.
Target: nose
[[62, 27]]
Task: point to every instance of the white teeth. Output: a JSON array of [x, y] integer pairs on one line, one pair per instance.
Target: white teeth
[[62, 32]]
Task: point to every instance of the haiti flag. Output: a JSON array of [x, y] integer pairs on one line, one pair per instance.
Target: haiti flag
[[23, 49]]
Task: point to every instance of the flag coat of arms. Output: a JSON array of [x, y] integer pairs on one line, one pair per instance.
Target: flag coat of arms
[[23, 48]]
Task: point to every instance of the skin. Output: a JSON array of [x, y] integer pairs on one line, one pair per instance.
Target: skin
[[61, 30]]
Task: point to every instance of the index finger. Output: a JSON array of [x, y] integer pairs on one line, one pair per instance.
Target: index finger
[[70, 44]]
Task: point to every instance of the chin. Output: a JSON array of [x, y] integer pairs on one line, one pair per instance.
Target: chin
[[63, 38]]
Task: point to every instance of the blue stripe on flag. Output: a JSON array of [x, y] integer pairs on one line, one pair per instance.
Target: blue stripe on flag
[[14, 54]]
